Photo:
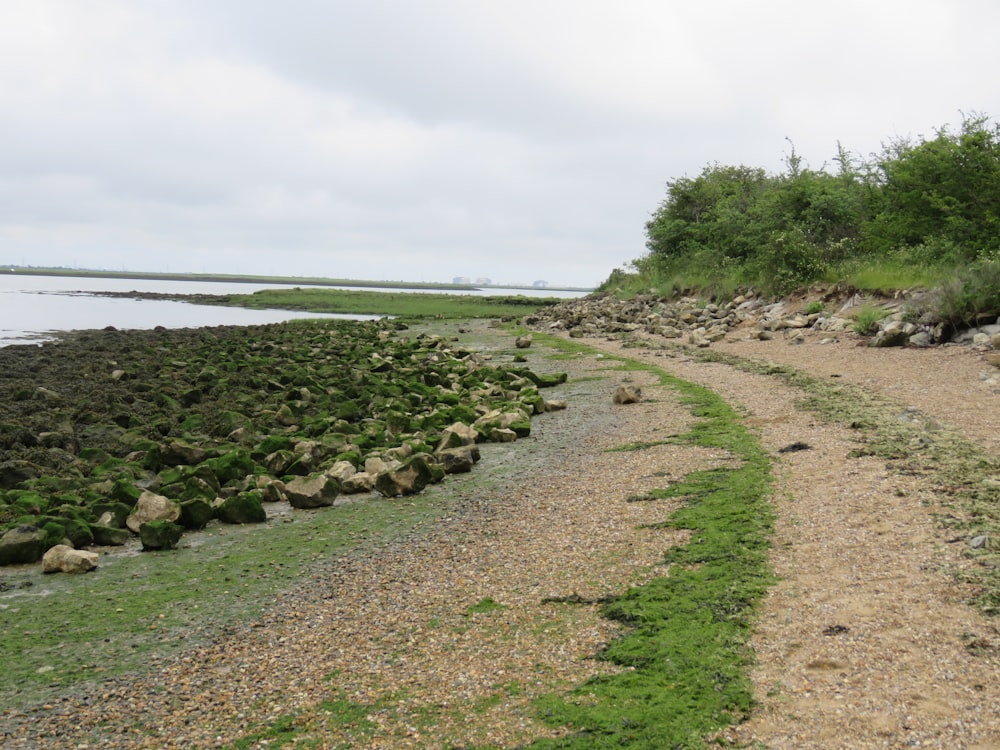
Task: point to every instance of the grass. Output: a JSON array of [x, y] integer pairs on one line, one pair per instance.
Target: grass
[[56, 628], [402, 305]]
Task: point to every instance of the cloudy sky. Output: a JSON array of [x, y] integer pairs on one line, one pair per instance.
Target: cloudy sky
[[421, 140]]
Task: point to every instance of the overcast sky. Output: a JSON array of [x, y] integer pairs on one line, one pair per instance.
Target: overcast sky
[[421, 140]]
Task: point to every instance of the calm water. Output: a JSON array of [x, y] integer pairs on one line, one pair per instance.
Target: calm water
[[34, 307]]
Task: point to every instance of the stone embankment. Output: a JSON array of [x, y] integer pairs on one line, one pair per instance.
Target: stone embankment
[[832, 310]]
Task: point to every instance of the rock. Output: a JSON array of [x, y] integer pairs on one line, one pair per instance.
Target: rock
[[22, 544], [156, 535], [152, 507], [196, 513], [458, 460], [341, 471], [180, 453], [12, 473], [993, 358], [243, 507], [893, 333], [555, 405], [523, 342], [920, 339], [407, 479], [995, 341], [627, 394], [316, 491], [456, 435], [359, 482], [65, 559], [109, 536]]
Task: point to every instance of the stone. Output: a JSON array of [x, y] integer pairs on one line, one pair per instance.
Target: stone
[[196, 513], [995, 341], [341, 471], [64, 559], [627, 394], [241, 508], [458, 460], [456, 435], [555, 405], [993, 358], [157, 535], [407, 479], [109, 536], [316, 491], [180, 453], [523, 342], [22, 544], [362, 481], [152, 507], [920, 339]]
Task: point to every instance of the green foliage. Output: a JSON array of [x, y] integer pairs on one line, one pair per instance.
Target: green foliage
[[922, 205], [970, 297], [866, 319]]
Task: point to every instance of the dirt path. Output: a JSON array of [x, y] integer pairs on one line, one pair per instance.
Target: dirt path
[[864, 643]]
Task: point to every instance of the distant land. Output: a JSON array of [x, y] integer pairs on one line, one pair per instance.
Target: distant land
[[284, 280]]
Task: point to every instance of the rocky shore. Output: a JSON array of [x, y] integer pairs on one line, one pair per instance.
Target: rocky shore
[[832, 310], [107, 436]]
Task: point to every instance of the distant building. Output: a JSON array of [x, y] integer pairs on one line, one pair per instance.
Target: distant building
[[483, 281], [460, 280], [540, 284]]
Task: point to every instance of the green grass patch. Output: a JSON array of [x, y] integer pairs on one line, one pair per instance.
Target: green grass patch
[[484, 606], [59, 630], [401, 305]]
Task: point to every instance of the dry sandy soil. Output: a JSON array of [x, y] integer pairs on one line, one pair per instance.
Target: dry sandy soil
[[863, 643]]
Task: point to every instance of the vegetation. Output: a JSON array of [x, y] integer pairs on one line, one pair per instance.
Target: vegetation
[[915, 211], [402, 305], [686, 649]]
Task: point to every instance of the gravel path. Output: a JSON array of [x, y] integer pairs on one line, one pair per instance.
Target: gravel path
[[862, 644]]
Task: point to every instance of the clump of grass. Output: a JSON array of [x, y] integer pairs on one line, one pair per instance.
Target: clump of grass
[[866, 319], [816, 306], [968, 298]]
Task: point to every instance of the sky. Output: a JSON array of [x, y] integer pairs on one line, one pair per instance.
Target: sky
[[423, 140]]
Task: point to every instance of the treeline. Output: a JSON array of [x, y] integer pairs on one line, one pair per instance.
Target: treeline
[[931, 204]]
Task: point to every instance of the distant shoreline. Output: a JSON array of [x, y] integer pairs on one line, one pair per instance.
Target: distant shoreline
[[14, 270]]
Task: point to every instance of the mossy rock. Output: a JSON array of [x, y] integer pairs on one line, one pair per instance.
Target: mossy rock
[[243, 507], [78, 531], [108, 536], [159, 535], [125, 492], [23, 544], [521, 427], [28, 502], [55, 532], [119, 510], [233, 465], [196, 513]]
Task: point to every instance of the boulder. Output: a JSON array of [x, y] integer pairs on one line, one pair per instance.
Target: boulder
[[196, 513], [362, 481], [243, 507], [178, 452], [407, 479], [456, 435], [22, 544], [152, 507], [523, 342], [341, 471], [157, 535], [627, 394], [65, 559], [458, 460], [316, 491], [106, 535]]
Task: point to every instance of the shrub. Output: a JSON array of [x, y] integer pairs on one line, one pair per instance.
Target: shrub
[[971, 296], [866, 319]]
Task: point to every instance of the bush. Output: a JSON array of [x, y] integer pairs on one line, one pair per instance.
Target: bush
[[970, 297], [867, 318]]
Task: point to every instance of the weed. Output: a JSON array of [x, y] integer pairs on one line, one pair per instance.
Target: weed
[[866, 319]]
